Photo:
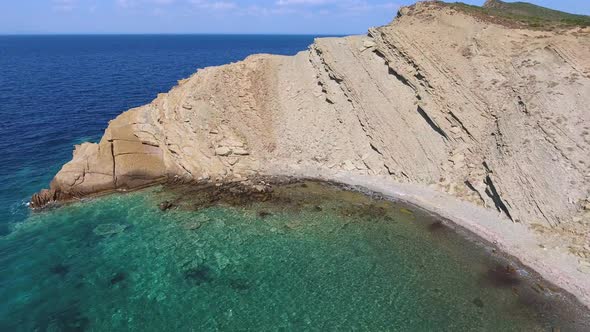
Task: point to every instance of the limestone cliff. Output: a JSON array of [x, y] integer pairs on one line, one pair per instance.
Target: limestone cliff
[[491, 114]]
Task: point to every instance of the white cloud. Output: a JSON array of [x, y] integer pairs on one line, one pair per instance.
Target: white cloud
[[365, 6], [339, 6], [267, 11], [163, 2], [125, 3], [134, 3], [203, 4], [64, 5], [310, 8], [216, 5], [303, 2], [304, 8]]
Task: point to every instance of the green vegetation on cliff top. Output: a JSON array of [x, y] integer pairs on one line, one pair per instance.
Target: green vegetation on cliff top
[[524, 14]]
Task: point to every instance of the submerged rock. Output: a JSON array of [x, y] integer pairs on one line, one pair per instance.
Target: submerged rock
[[436, 226], [406, 211], [166, 205], [263, 214], [478, 302], [117, 278], [198, 196], [4, 229], [240, 284], [60, 269], [196, 222], [192, 225], [294, 224], [68, 318], [503, 276], [199, 275], [109, 229]]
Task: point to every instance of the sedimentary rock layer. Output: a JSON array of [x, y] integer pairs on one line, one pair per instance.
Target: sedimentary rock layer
[[493, 115]]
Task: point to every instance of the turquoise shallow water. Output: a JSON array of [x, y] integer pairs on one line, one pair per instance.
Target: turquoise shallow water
[[311, 258]]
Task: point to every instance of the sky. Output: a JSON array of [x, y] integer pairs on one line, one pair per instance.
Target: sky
[[335, 17]]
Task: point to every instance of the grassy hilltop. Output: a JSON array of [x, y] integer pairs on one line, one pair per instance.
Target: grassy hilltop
[[524, 14]]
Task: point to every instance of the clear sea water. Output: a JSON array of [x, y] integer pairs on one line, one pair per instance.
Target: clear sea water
[[313, 257]]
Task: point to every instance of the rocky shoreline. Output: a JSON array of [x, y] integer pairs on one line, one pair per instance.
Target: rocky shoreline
[[512, 242], [481, 123], [554, 265]]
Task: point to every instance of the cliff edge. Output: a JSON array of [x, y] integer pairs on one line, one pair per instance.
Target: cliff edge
[[493, 115]]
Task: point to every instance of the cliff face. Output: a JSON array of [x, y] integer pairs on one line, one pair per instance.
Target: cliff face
[[492, 115]]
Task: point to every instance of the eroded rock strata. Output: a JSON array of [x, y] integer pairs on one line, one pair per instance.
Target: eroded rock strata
[[493, 115]]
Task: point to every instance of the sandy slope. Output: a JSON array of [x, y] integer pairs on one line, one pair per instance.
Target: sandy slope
[[494, 116]]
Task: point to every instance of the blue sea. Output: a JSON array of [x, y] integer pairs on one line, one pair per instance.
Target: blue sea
[[305, 256], [58, 91]]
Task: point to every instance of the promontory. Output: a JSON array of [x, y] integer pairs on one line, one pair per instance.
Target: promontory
[[475, 109]]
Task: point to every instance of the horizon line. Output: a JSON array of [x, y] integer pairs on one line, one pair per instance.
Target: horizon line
[[174, 34]]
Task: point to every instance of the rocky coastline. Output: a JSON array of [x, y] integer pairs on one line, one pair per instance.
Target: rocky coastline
[[484, 124]]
